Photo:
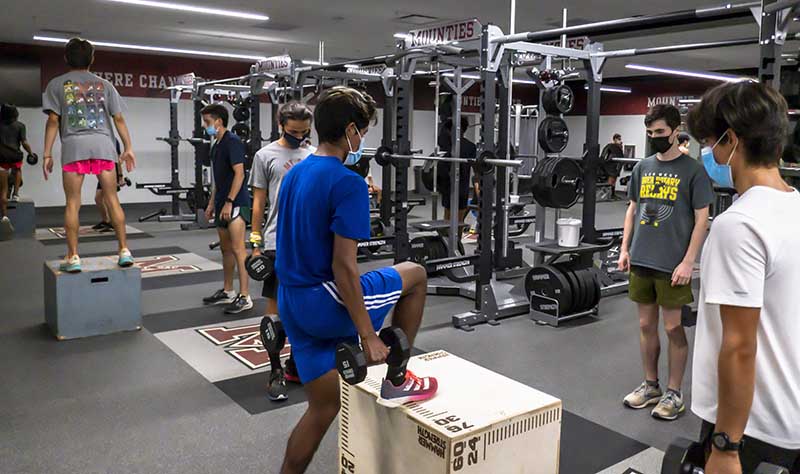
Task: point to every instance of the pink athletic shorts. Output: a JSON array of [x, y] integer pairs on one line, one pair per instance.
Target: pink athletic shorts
[[11, 166], [90, 166]]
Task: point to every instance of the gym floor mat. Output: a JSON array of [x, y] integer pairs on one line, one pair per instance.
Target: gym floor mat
[[56, 235], [598, 446], [138, 253]]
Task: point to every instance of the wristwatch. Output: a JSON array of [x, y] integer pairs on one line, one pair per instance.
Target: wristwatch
[[723, 442], [227, 199]]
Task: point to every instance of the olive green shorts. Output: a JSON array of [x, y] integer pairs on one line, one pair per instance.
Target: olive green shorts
[[648, 286]]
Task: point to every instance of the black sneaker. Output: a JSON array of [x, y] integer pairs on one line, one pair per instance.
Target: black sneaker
[[107, 227], [241, 303], [277, 386], [101, 225], [220, 297]]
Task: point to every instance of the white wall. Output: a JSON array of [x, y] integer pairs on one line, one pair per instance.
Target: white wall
[[631, 127], [147, 118]]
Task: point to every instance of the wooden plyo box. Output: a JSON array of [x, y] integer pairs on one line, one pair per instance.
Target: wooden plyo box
[[478, 422]]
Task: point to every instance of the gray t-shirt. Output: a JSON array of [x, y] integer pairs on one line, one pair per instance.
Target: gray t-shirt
[[666, 194], [85, 104], [270, 165]]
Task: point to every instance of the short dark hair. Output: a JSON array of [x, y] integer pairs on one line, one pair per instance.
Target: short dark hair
[[218, 111], [9, 113], [338, 107], [293, 110], [684, 137], [756, 112], [616, 136], [79, 53], [666, 112]]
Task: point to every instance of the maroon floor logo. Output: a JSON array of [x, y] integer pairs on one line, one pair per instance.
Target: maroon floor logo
[[164, 263], [243, 343]]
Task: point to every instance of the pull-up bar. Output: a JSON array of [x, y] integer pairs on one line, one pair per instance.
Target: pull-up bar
[[638, 23]]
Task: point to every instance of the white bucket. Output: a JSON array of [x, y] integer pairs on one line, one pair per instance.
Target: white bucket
[[569, 232]]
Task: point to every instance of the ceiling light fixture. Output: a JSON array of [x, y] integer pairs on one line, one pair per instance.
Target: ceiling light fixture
[[194, 9], [689, 101], [616, 89], [160, 49], [714, 76]]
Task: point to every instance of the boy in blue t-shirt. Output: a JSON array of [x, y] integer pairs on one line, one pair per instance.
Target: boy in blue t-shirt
[[323, 210]]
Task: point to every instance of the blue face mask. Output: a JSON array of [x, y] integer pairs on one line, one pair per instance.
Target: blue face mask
[[354, 157], [720, 174], [211, 131]]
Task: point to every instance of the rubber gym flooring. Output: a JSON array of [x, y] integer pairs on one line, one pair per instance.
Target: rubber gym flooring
[[186, 393]]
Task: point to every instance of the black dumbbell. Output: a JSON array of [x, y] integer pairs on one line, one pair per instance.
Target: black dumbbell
[[273, 336], [32, 159], [352, 363], [684, 456], [259, 267]]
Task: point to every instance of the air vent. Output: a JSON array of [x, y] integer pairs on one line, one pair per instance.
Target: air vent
[[60, 32], [416, 19], [274, 26]]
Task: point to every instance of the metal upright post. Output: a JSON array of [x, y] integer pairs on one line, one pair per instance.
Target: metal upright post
[[386, 177], [403, 92], [455, 168], [502, 180], [198, 166], [175, 136], [591, 159], [771, 40]]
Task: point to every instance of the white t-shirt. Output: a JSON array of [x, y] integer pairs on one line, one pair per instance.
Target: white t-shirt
[[751, 260]]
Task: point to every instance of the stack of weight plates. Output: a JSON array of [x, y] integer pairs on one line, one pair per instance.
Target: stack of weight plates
[[575, 289]]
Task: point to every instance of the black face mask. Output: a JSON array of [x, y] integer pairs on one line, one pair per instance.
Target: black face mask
[[659, 144], [293, 141]]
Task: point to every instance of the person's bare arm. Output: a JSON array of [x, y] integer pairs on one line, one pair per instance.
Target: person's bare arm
[[238, 180], [627, 233], [682, 275], [345, 273], [50, 133], [259, 203], [27, 147], [736, 374], [127, 157]]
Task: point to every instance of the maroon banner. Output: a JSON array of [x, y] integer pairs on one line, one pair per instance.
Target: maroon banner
[[133, 74]]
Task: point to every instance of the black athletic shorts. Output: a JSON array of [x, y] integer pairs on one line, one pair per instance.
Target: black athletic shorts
[[755, 452], [218, 222], [270, 289]]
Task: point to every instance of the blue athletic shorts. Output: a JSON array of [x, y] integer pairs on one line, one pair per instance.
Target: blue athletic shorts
[[316, 321]]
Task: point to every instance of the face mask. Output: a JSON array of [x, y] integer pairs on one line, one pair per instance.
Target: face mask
[[211, 131], [720, 174], [659, 144], [293, 141], [354, 157]]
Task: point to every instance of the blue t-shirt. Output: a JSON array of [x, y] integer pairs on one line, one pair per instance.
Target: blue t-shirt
[[318, 198], [228, 151]]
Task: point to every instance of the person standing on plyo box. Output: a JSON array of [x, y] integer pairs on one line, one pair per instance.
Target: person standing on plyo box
[[228, 197], [323, 210], [81, 105], [270, 165], [665, 226]]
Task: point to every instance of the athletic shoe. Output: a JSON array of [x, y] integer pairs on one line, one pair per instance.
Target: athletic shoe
[[643, 396], [241, 303], [71, 265], [291, 373], [125, 258], [277, 386], [101, 225], [15, 197], [107, 227], [7, 227], [669, 407], [414, 389], [220, 297]]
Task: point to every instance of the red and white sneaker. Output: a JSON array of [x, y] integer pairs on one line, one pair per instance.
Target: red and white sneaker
[[414, 389]]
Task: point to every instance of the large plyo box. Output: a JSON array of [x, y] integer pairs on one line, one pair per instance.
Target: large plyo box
[[102, 299], [479, 422]]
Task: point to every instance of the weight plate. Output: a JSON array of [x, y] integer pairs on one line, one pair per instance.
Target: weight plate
[[558, 100], [553, 134], [242, 131], [567, 183], [573, 283], [548, 281], [584, 297], [419, 250], [376, 227], [241, 114], [588, 286], [596, 287]]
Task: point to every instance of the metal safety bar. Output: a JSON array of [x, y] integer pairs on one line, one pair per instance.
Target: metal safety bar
[[451, 159]]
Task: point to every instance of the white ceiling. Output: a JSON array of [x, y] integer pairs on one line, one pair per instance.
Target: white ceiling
[[350, 28]]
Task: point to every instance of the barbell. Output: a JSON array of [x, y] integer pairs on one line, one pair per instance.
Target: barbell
[[384, 156]]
